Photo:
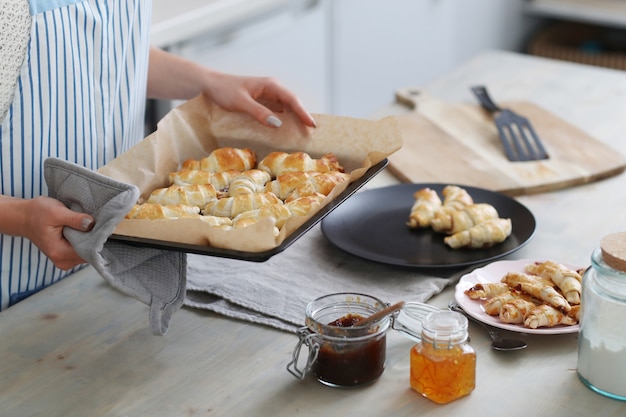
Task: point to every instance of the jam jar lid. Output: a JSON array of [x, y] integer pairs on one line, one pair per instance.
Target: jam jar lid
[[409, 320]]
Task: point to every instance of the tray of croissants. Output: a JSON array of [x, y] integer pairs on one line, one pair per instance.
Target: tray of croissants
[[218, 183]]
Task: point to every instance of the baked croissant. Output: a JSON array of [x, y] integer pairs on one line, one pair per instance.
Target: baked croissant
[[276, 210], [456, 197], [514, 278], [426, 204], [322, 183], [546, 316], [484, 290], [482, 235], [216, 221], [513, 312], [277, 163], [248, 182], [547, 294], [453, 220], [159, 211], [567, 280], [493, 305], [232, 206], [223, 159], [575, 312], [193, 195], [302, 206], [220, 180], [286, 183]]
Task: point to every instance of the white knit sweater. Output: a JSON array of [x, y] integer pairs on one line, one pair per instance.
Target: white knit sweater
[[15, 24]]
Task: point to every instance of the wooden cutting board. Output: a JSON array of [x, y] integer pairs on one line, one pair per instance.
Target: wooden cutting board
[[457, 143]]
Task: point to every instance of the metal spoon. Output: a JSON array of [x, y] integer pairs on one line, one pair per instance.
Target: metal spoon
[[497, 341]]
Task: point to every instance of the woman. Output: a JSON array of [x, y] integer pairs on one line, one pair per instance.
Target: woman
[[79, 94]]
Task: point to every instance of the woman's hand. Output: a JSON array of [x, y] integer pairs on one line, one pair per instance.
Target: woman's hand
[[175, 78], [41, 220], [260, 97]]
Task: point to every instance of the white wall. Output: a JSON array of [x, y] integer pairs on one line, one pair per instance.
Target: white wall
[[384, 45]]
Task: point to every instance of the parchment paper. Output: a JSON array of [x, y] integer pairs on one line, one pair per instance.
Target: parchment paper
[[195, 128]]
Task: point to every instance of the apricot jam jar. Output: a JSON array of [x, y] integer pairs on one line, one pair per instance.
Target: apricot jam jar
[[342, 353], [443, 364]]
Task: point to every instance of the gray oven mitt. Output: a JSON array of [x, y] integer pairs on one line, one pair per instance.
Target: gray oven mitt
[[156, 277]]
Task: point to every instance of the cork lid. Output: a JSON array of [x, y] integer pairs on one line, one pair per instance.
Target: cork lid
[[613, 248]]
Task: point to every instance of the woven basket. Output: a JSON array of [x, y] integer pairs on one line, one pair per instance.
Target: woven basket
[[575, 42]]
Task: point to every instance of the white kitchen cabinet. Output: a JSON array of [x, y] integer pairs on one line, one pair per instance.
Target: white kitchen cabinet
[[380, 46], [290, 43], [344, 57]]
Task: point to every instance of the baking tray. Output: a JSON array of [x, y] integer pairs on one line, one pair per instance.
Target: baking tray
[[264, 255]]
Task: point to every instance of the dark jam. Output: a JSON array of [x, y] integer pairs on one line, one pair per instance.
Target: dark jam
[[350, 362], [348, 320]]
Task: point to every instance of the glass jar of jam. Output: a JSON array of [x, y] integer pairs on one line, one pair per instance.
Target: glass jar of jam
[[601, 344], [443, 364], [342, 353]]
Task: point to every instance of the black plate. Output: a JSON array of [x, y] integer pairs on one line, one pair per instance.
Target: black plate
[[265, 255], [372, 225]]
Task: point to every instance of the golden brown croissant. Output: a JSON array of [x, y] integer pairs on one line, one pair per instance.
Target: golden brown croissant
[[547, 294], [456, 197], [575, 312], [322, 183], [220, 180], [232, 206], [159, 211], [494, 304], [486, 290], [278, 211], [546, 316], [482, 235], [216, 221], [193, 195], [513, 312], [426, 203], [514, 278], [286, 183], [567, 280], [277, 163], [223, 159], [302, 206], [248, 182], [453, 220]]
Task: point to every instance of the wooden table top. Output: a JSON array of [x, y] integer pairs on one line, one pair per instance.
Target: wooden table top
[[80, 348]]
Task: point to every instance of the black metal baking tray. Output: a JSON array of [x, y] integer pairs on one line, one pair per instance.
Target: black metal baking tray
[[264, 255]]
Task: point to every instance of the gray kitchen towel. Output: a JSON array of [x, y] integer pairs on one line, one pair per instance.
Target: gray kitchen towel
[[153, 276], [275, 293]]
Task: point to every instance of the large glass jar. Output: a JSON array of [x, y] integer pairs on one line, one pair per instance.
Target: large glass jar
[[602, 341], [443, 364], [342, 354]]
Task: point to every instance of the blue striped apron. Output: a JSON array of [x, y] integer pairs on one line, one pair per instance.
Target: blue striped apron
[[81, 97]]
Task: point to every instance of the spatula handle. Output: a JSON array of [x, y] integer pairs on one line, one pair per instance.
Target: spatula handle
[[483, 97]]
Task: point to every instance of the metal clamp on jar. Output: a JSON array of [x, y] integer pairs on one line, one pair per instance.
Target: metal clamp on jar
[[340, 354]]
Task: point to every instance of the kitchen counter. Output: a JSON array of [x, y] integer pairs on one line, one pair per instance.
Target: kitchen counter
[[81, 348]]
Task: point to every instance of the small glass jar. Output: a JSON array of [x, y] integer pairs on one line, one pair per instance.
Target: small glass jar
[[601, 341], [443, 364], [342, 355]]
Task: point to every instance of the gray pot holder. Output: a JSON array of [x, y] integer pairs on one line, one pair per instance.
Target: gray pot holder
[[155, 277]]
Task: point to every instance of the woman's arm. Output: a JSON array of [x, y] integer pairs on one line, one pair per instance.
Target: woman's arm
[[173, 77]]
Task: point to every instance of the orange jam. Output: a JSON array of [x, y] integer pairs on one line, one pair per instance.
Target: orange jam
[[443, 375], [443, 365]]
